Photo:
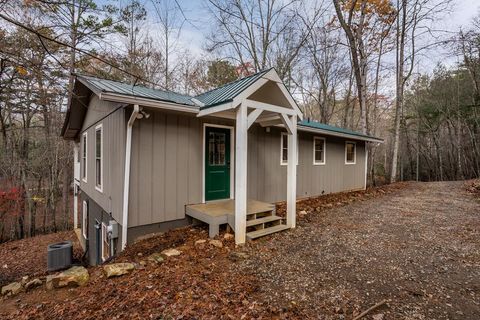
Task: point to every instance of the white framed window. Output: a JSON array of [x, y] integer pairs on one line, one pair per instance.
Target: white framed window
[[350, 152], [84, 156], [105, 243], [319, 146], [284, 149], [85, 219], [99, 157]]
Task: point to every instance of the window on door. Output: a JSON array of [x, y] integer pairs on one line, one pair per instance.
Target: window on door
[[85, 219], [216, 148], [105, 243]]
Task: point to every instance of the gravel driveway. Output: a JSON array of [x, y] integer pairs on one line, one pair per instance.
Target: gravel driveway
[[417, 248]]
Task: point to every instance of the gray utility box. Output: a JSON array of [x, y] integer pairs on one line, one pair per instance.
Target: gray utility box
[[59, 255]]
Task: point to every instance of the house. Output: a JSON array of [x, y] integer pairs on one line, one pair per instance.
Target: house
[[150, 160]]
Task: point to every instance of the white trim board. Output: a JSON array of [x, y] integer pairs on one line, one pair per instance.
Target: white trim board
[[337, 134], [232, 157]]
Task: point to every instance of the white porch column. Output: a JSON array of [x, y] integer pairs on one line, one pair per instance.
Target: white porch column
[[292, 173], [241, 135]]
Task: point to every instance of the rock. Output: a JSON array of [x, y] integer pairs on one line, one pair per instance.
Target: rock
[[216, 243], [24, 280], [75, 276], [228, 236], [143, 263], [171, 252], [156, 257], [201, 241], [302, 213], [32, 284], [236, 256], [140, 254], [378, 316], [118, 269], [12, 289]]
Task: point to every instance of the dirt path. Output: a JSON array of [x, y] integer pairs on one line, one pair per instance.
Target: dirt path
[[419, 248]]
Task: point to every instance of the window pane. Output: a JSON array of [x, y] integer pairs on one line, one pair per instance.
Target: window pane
[[98, 143], [284, 148], [216, 148], [350, 152], [319, 145], [98, 172]]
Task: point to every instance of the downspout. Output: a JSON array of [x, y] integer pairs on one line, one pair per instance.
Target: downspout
[[126, 181]]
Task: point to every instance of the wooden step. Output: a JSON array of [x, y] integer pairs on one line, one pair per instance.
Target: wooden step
[[258, 215], [263, 220], [264, 232]]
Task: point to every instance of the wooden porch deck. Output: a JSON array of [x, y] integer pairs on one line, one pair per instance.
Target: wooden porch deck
[[220, 212]]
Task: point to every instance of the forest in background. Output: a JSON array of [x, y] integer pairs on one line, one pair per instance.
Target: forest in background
[[348, 63]]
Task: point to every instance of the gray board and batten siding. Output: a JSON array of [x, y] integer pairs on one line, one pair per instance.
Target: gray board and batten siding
[[167, 163], [167, 166], [112, 117]]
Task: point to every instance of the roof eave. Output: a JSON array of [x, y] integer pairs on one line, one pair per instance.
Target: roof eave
[[339, 134], [153, 103]]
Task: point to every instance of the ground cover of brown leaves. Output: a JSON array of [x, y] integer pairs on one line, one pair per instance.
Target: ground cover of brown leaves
[[28, 257], [416, 245]]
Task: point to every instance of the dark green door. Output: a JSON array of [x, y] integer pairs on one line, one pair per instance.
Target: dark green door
[[217, 163]]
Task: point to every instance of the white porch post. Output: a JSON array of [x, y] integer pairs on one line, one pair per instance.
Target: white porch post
[[292, 173], [241, 134]]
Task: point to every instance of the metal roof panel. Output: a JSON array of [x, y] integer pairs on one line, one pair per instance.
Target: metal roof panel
[[323, 126], [228, 91], [110, 86]]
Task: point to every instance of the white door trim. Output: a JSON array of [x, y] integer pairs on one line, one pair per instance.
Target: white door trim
[[232, 157]]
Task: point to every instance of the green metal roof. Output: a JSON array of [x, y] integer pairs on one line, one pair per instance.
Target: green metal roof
[[322, 126], [110, 86], [228, 91], [210, 98]]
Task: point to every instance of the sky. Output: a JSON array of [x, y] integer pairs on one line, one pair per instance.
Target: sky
[[199, 25], [460, 16]]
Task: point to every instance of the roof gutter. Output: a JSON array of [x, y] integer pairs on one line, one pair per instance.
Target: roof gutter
[[339, 134], [114, 97], [126, 182]]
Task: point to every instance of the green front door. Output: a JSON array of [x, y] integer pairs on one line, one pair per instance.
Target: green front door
[[217, 163]]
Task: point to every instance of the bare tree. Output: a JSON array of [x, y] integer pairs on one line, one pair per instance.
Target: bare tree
[[356, 19], [412, 19], [263, 33]]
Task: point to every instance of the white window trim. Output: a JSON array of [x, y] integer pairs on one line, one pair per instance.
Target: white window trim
[[85, 147], [84, 217], [99, 188], [104, 236], [317, 163], [354, 152], [285, 163]]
